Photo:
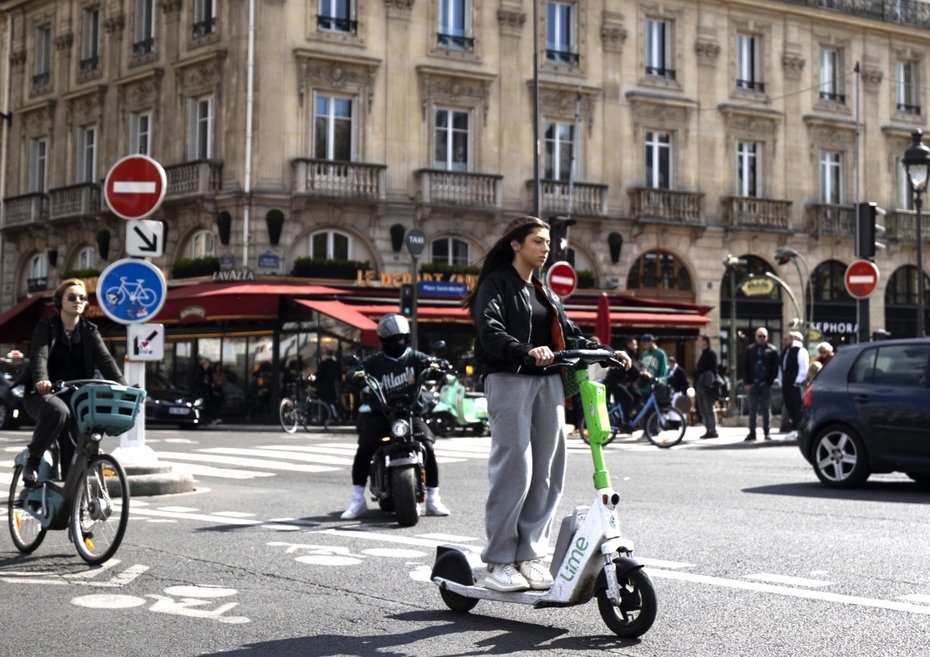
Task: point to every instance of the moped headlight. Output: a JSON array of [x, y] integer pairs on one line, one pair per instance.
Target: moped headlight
[[400, 428], [19, 391]]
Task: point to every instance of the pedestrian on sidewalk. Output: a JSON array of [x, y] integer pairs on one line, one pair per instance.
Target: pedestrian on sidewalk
[[703, 386], [792, 375], [784, 425], [758, 371]]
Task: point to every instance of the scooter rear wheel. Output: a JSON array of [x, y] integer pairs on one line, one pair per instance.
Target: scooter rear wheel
[[636, 612], [455, 569], [404, 492]]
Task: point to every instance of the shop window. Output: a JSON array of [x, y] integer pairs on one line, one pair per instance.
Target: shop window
[[660, 271], [902, 288]]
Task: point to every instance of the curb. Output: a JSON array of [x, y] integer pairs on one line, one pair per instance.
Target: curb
[[150, 480]]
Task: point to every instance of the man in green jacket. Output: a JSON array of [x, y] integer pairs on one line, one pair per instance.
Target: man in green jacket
[[653, 363]]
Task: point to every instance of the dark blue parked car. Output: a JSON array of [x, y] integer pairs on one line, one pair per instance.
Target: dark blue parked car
[[868, 411]]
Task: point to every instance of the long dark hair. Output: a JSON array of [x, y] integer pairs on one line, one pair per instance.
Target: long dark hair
[[501, 254]]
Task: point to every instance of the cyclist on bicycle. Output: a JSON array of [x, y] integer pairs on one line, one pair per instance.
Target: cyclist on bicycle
[[396, 368], [64, 347]]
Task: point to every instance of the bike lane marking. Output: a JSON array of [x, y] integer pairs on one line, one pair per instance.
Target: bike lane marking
[[190, 601], [81, 579]]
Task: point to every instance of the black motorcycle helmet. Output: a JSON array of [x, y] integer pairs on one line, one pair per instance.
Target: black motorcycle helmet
[[394, 335]]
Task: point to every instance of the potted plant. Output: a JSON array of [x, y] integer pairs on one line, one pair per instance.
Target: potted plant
[[448, 270], [82, 274], [585, 278], [193, 267], [307, 267]]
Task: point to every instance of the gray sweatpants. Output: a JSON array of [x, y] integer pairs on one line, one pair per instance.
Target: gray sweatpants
[[526, 467]]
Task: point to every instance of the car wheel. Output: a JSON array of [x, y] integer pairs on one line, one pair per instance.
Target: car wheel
[[839, 457], [6, 417]]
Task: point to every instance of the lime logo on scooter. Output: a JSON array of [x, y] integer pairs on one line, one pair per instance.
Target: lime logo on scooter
[[575, 558]]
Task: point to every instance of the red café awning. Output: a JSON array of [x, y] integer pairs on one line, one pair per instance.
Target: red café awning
[[347, 314], [17, 323], [231, 301]]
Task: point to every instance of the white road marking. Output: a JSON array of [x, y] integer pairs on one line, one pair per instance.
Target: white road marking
[[236, 460], [200, 591], [394, 553], [192, 516], [785, 579], [916, 597], [281, 454], [108, 601], [661, 563], [400, 540], [178, 509], [448, 538], [790, 592], [234, 514], [195, 469]]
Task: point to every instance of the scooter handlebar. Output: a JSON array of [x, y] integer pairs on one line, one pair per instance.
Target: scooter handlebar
[[569, 357]]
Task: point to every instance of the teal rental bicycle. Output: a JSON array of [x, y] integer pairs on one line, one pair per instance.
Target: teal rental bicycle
[[664, 424], [92, 503]]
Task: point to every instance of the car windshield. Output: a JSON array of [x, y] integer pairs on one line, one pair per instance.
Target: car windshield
[[157, 381]]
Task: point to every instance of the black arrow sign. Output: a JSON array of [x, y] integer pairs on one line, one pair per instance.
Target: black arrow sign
[[150, 244], [135, 341]]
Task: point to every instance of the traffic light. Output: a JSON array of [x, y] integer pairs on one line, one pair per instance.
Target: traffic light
[[558, 238], [869, 235], [406, 300]]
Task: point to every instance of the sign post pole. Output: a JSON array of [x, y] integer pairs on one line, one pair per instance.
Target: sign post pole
[[415, 239]]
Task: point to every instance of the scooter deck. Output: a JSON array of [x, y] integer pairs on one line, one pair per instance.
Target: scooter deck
[[482, 593]]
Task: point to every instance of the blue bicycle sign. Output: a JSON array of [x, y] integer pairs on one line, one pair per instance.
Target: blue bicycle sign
[[131, 291]]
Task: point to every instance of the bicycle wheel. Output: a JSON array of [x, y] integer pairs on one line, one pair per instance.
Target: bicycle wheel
[[666, 428], [316, 415], [25, 529], [98, 521], [287, 412], [583, 430]]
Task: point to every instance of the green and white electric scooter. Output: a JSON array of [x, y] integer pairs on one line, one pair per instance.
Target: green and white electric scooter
[[591, 556]]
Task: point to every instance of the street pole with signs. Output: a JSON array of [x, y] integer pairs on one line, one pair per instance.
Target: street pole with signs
[[415, 240], [731, 262]]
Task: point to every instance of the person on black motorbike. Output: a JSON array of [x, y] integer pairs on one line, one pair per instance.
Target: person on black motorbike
[[396, 368]]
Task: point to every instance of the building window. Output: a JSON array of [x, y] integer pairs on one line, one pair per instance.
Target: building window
[[38, 166], [455, 25], [449, 251], [658, 160], [560, 33], [659, 270], [203, 245], [828, 282], [86, 155], [560, 139], [451, 147], [140, 133], [332, 128], [830, 88], [748, 168], [204, 17], [87, 258], [90, 40], [831, 177], [902, 288], [201, 129], [41, 73], [144, 30], [336, 16], [658, 55], [38, 273], [906, 88], [748, 71], [331, 245]]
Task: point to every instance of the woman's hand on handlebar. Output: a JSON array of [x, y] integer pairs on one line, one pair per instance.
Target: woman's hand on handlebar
[[543, 355], [44, 387], [624, 359]]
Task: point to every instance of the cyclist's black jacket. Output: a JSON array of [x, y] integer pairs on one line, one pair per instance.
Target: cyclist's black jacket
[[504, 319], [394, 376]]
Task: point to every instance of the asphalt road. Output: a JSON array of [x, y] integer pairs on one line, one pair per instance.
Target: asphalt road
[[750, 555]]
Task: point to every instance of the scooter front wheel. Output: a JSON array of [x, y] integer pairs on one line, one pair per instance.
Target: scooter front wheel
[[636, 612]]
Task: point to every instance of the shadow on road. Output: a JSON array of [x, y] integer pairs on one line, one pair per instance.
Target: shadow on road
[[904, 492], [510, 637], [373, 519]]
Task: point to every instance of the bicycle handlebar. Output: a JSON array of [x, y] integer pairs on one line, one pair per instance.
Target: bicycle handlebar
[[59, 387]]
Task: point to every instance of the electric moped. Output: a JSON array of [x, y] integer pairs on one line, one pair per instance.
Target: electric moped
[[591, 556], [458, 408]]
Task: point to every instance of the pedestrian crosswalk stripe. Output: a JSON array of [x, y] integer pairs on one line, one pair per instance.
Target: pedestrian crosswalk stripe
[[324, 459], [238, 460], [197, 470]]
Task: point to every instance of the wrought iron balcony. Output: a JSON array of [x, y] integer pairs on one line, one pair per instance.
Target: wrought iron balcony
[[901, 226], [656, 71], [833, 97], [90, 63], [39, 284], [562, 57], [41, 79], [908, 109], [332, 179], [143, 47], [752, 85], [455, 41], [666, 206], [459, 189], [195, 178], [587, 199], [74, 201], [749, 213], [905, 12], [203, 27], [333, 24], [828, 220], [25, 211]]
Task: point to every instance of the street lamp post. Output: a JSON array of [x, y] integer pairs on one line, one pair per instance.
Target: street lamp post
[[917, 164], [782, 255], [731, 262]]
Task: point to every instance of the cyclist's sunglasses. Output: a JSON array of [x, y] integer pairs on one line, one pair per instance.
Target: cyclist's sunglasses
[[76, 297]]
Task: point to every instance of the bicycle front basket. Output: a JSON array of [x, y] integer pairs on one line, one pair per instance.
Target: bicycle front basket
[[106, 408], [662, 393]]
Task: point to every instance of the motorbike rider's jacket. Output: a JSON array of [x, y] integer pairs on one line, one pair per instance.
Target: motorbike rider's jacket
[[393, 375], [504, 318]]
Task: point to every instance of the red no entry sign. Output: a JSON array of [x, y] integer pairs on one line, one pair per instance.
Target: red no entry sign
[[561, 278], [135, 187], [861, 279]]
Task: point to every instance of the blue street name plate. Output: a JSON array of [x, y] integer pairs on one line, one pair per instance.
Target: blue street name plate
[[131, 291], [269, 260], [443, 289]]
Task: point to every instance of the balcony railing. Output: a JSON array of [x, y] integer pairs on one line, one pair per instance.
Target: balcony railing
[[350, 180], [203, 27], [905, 12], [752, 85], [588, 199], [143, 47], [199, 177], [562, 57], [458, 188], [908, 109], [667, 206], [901, 226], [827, 220], [656, 71], [333, 24], [833, 97], [41, 79], [74, 201], [25, 210], [757, 213], [455, 41], [90, 63]]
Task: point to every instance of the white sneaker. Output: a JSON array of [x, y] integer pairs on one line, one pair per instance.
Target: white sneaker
[[791, 436], [434, 505], [505, 578], [356, 507], [536, 574]]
